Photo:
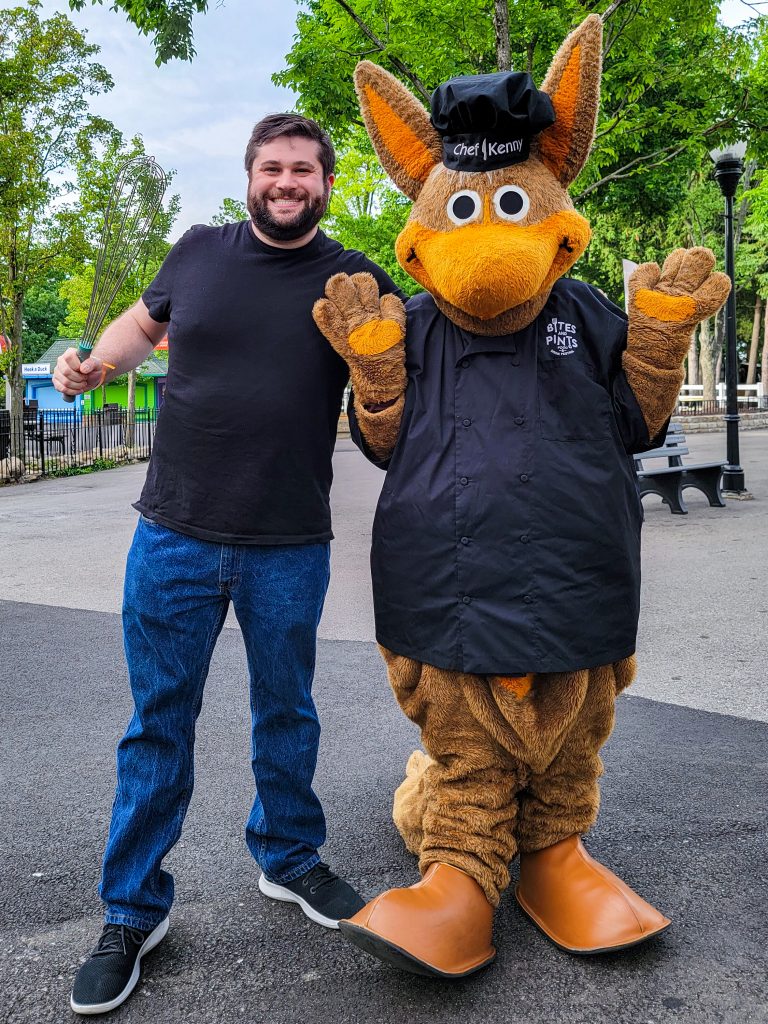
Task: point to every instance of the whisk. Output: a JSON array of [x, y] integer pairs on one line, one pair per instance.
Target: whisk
[[131, 210]]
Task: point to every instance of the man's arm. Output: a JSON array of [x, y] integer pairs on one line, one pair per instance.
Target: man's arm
[[125, 344]]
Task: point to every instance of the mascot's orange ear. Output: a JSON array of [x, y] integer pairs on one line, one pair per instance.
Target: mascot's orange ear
[[573, 84], [399, 127]]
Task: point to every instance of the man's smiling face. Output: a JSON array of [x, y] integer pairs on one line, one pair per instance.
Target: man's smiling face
[[287, 190]]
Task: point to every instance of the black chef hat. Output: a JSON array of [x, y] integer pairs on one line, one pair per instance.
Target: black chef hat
[[488, 121]]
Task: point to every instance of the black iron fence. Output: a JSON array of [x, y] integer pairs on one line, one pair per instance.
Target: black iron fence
[[717, 407], [54, 442]]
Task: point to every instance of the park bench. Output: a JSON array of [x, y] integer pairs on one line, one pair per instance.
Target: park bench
[[670, 481]]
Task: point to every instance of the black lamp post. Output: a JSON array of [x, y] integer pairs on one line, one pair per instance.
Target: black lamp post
[[729, 165]]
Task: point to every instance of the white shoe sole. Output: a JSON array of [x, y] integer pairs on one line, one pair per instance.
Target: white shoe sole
[[155, 936], [279, 892]]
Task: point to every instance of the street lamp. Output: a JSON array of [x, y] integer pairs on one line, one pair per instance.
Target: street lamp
[[729, 164]]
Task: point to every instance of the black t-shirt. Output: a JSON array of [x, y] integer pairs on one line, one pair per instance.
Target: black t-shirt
[[244, 439]]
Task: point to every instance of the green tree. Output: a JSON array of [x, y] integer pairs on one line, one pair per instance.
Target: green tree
[[46, 76], [366, 211], [660, 110], [44, 310], [752, 264], [168, 22], [231, 210], [96, 181], [645, 187], [657, 103], [96, 177]]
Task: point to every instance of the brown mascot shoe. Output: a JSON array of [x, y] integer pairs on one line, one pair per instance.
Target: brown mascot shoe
[[579, 904], [440, 927]]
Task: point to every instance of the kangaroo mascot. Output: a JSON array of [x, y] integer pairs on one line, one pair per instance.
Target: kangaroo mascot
[[506, 543]]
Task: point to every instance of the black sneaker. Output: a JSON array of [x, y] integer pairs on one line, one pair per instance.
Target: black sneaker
[[111, 972], [323, 896]]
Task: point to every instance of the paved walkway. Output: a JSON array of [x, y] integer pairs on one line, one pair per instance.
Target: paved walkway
[[684, 795]]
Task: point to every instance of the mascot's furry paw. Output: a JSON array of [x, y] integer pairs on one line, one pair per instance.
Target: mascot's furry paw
[[664, 307], [680, 295], [367, 330], [410, 801], [356, 320]]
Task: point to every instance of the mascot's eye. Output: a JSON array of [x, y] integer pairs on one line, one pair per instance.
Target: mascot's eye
[[511, 202], [464, 207]]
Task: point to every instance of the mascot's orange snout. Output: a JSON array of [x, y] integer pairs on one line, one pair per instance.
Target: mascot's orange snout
[[486, 269]]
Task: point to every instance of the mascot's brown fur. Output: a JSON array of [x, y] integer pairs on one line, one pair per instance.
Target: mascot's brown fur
[[513, 759]]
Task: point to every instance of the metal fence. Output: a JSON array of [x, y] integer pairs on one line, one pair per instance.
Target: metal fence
[[54, 442], [717, 407], [691, 401]]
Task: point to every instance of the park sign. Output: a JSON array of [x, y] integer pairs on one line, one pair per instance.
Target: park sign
[[35, 369]]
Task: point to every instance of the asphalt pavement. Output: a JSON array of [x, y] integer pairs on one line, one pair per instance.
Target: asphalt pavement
[[683, 819]]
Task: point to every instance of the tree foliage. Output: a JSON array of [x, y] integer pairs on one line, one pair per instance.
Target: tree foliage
[[96, 178], [168, 22], [230, 211], [47, 74], [366, 211], [647, 186], [44, 310], [676, 83]]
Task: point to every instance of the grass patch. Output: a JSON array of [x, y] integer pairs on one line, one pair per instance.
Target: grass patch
[[96, 466]]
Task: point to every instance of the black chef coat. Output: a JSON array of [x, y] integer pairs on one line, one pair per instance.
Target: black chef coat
[[507, 535]]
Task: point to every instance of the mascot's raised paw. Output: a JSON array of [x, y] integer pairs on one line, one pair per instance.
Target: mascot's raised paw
[[681, 294], [356, 319], [368, 331], [664, 307]]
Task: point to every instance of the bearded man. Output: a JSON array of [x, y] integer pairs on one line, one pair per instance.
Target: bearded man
[[235, 508]]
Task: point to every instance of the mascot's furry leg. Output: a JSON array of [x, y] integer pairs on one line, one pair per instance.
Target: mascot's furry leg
[[577, 902], [513, 767]]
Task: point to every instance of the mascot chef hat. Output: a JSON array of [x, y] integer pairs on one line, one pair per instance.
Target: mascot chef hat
[[487, 121]]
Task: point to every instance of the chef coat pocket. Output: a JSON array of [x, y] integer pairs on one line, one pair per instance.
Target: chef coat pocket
[[573, 406]]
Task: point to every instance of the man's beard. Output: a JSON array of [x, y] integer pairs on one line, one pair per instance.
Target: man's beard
[[287, 231]]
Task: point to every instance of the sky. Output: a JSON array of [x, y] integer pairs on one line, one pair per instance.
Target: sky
[[196, 117]]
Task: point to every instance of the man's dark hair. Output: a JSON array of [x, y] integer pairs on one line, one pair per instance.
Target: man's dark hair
[[273, 126]]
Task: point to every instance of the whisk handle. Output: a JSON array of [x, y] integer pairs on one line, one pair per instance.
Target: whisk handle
[[82, 355]]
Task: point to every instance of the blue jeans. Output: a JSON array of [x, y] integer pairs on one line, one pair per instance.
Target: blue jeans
[[177, 592]]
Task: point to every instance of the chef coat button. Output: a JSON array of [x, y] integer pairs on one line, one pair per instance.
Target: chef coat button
[[464, 363], [465, 540], [524, 477], [528, 599], [515, 360], [466, 423], [519, 420], [464, 480], [525, 538], [466, 599]]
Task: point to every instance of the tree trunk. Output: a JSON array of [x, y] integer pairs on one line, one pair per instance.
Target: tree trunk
[[501, 25], [16, 382], [708, 359], [764, 364], [131, 419], [693, 361], [754, 344]]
